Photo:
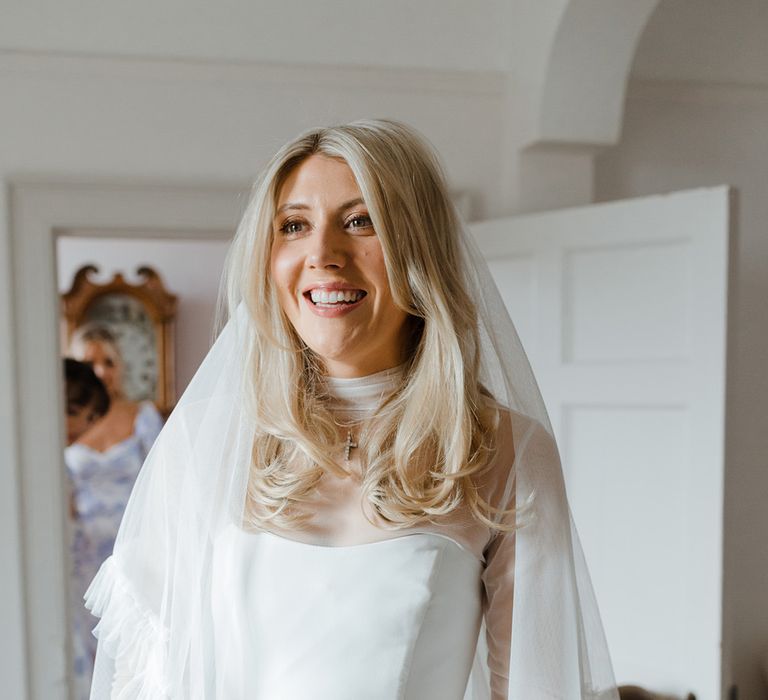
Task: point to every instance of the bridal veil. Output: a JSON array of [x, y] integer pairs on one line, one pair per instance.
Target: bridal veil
[[153, 593]]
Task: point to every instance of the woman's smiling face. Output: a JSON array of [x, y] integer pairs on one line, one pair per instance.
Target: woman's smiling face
[[107, 365], [327, 266]]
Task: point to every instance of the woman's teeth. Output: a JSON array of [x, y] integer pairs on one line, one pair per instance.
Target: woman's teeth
[[322, 296]]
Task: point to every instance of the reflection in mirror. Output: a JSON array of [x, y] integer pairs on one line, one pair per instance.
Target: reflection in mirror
[[112, 423], [87, 401], [128, 319], [120, 320], [102, 464], [140, 318]]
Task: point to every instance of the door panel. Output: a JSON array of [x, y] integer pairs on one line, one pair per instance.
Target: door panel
[[622, 310]]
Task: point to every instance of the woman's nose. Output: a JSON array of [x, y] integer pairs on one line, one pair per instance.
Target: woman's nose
[[327, 248]]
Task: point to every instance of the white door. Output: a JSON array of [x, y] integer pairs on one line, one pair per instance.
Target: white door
[[622, 310]]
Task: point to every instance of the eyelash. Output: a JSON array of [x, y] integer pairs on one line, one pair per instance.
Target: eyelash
[[355, 217], [284, 228]]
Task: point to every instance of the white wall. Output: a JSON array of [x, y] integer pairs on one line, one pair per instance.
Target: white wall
[[398, 33], [676, 136], [189, 269], [142, 118]]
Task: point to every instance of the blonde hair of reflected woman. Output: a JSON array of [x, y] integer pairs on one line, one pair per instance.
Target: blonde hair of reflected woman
[[98, 333], [422, 454]]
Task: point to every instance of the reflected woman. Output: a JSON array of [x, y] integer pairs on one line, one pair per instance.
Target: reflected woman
[[102, 465]]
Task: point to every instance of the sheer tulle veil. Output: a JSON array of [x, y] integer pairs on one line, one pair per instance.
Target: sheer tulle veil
[[155, 631]]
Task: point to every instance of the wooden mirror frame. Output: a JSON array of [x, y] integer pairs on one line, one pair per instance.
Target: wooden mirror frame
[[159, 304]]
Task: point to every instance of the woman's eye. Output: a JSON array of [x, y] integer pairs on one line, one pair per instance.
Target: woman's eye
[[291, 227], [359, 221]]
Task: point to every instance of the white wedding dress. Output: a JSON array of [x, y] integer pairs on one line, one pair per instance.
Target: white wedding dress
[[396, 619], [389, 615], [346, 608]]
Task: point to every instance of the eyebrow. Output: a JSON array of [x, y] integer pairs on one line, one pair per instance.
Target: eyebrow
[[300, 205]]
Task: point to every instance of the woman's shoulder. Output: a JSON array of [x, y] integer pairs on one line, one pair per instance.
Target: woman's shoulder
[[148, 422], [147, 410], [514, 429], [517, 437], [147, 407]]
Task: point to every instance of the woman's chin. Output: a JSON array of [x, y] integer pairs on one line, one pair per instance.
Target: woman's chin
[[342, 365]]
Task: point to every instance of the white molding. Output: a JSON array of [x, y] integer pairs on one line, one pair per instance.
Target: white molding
[[580, 86], [40, 211], [418, 80], [697, 91]]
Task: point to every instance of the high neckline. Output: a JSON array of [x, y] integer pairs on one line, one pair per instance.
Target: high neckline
[[364, 394]]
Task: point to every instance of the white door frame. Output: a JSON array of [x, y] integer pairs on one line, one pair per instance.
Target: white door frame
[[41, 211]]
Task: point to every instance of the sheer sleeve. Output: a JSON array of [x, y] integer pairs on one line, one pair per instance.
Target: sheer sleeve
[[499, 582], [543, 631], [499, 572], [130, 658]]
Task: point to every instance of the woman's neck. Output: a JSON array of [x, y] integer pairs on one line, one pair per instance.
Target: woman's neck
[[364, 394]]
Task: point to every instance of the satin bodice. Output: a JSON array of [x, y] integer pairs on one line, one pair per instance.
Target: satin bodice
[[392, 620]]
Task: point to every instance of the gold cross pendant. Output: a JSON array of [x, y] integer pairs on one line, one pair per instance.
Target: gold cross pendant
[[349, 446]]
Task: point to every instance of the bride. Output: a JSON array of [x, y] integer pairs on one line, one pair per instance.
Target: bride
[[359, 495]]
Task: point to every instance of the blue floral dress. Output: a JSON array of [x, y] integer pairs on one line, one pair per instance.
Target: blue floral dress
[[101, 483]]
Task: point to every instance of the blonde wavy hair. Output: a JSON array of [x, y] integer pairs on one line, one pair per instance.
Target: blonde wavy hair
[[423, 452]]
